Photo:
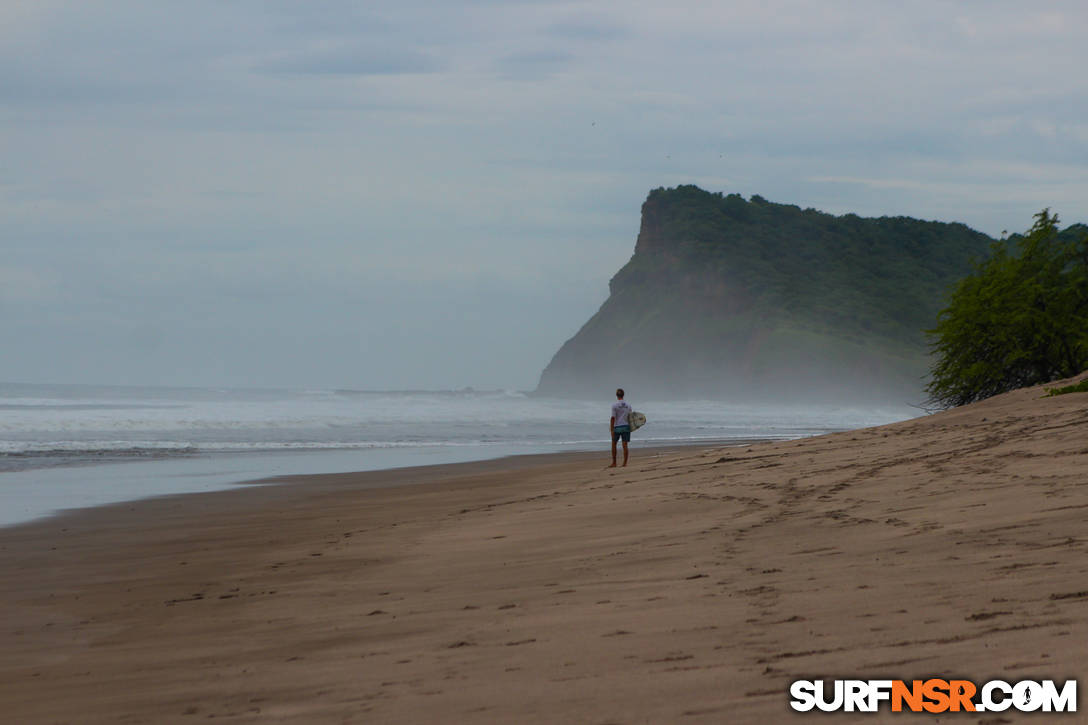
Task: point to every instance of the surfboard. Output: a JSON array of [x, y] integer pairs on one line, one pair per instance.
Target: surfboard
[[636, 420]]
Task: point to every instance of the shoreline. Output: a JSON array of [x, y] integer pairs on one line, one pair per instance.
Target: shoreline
[[200, 474], [259, 492], [692, 586]]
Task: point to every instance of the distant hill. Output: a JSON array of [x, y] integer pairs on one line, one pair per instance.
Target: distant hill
[[753, 300]]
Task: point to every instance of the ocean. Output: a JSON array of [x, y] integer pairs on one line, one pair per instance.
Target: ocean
[[72, 446]]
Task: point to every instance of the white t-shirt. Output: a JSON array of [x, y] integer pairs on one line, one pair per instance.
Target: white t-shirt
[[620, 409]]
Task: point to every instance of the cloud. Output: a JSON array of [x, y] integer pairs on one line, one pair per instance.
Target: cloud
[[533, 65], [272, 162], [585, 29], [19, 284], [353, 60]]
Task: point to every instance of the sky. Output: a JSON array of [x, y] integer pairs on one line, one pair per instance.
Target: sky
[[434, 195]]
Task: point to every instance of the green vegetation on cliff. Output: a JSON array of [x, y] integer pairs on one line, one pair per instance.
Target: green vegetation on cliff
[[1019, 319], [748, 298]]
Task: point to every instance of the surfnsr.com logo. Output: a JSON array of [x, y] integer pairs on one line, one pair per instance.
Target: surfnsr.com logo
[[933, 695]]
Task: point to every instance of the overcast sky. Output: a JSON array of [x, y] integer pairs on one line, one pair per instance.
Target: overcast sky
[[434, 194]]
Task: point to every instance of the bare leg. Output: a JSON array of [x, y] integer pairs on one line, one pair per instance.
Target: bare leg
[[624, 454], [613, 454]]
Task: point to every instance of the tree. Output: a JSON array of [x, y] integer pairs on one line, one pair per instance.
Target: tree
[[1019, 319]]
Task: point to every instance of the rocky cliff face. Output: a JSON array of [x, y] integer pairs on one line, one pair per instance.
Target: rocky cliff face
[[728, 298]]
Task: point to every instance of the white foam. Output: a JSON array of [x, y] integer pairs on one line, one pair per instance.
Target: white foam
[[86, 420]]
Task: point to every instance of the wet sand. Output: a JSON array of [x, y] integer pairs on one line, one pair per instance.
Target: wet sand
[[691, 587]]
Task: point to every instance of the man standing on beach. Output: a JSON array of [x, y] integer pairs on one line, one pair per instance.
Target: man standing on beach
[[618, 426]]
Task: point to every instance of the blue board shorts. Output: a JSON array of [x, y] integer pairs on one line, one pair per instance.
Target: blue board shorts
[[621, 431]]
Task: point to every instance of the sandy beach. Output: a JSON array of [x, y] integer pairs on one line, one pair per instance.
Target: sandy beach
[[691, 587]]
